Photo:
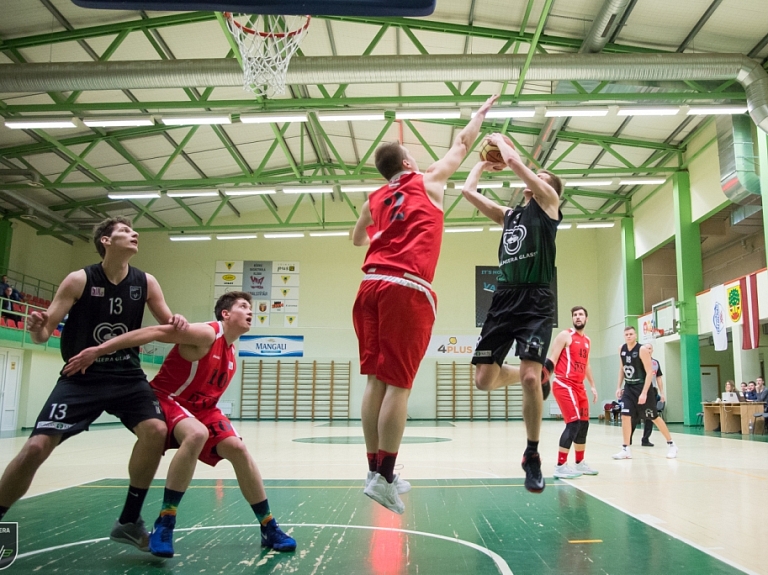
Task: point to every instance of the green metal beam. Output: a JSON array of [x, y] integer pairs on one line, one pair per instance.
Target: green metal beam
[[534, 42], [633, 274]]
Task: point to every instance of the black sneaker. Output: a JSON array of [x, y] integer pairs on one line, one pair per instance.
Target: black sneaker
[[546, 372], [647, 443], [534, 481]]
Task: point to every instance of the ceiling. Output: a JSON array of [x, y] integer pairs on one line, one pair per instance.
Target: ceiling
[[65, 175]]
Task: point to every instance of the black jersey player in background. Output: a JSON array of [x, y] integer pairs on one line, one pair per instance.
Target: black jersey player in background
[[523, 306], [103, 300]]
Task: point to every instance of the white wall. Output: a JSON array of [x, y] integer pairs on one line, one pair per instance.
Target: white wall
[[654, 222], [42, 257]]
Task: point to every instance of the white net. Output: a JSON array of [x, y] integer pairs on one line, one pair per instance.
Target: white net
[[266, 44]]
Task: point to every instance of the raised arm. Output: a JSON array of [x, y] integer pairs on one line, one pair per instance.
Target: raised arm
[[438, 173], [158, 307], [41, 324], [198, 335], [359, 234], [544, 194], [487, 207]]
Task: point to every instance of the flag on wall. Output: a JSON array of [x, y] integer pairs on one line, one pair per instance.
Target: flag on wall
[[750, 314], [719, 334]]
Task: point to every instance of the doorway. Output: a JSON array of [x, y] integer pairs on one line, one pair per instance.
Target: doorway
[[710, 382]]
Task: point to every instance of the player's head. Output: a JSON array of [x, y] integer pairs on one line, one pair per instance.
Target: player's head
[[630, 335], [392, 158], [649, 347], [730, 387], [234, 308], [579, 317], [751, 386], [551, 179], [760, 382], [115, 232]]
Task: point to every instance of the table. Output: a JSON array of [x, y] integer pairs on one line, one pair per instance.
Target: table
[[711, 415], [735, 417]]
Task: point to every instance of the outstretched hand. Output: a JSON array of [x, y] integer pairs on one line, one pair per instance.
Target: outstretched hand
[[81, 361], [487, 104], [492, 167]]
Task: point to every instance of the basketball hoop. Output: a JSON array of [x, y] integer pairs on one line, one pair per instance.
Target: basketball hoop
[[266, 43], [658, 333]]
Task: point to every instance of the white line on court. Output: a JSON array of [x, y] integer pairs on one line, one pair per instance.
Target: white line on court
[[68, 487], [501, 565], [645, 519]]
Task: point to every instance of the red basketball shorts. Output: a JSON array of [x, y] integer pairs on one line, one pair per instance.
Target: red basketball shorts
[[572, 400], [393, 316], [219, 427]]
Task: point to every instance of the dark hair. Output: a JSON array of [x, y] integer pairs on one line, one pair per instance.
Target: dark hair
[[225, 302], [389, 159], [554, 181], [630, 327], [105, 228], [576, 308]]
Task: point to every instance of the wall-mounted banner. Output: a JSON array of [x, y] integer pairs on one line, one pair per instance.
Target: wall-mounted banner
[[447, 346], [486, 281], [274, 287], [272, 346], [645, 331]]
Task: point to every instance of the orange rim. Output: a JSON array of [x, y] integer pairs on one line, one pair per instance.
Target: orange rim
[[230, 17]]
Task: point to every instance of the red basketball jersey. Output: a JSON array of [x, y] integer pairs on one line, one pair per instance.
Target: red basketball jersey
[[197, 384], [407, 229], [572, 365]]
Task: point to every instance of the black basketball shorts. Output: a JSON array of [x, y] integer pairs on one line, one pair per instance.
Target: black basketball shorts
[[520, 315], [77, 402], [630, 401]]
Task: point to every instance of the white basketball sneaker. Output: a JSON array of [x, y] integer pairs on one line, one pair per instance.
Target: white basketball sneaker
[[625, 453], [385, 494]]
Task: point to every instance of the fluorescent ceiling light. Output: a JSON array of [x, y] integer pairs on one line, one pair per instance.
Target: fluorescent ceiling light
[[583, 111], [273, 118], [517, 184], [462, 230], [196, 120], [509, 113], [642, 181], [490, 185], [363, 188], [564, 226], [595, 225], [249, 192], [133, 195], [649, 111], [39, 122], [715, 110], [428, 115], [328, 234], [236, 237], [118, 121], [309, 190], [495, 228], [192, 194], [186, 238], [587, 183], [284, 235], [349, 116]]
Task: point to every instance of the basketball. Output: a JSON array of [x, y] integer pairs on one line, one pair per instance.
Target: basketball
[[491, 153]]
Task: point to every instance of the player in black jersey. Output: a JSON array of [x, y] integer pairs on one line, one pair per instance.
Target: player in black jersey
[[523, 306], [638, 398], [103, 300]]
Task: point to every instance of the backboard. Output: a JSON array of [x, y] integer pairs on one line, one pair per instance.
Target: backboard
[[665, 317]]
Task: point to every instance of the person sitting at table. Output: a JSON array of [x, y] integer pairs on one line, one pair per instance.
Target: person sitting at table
[[751, 394], [730, 387], [761, 390], [743, 391]]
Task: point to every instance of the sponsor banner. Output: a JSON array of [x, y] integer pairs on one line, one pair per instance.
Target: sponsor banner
[[232, 267], [451, 346], [228, 279], [277, 306], [272, 346], [290, 320], [734, 302], [285, 280], [291, 306], [645, 325], [285, 267], [9, 543], [260, 321], [717, 317], [285, 292], [257, 279]]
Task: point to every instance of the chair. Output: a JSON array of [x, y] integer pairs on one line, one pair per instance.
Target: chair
[[700, 418], [18, 307], [56, 333], [3, 322], [11, 323], [20, 324], [764, 417]]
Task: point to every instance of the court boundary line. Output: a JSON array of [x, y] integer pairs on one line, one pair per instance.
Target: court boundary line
[[25, 496], [499, 561], [658, 527]]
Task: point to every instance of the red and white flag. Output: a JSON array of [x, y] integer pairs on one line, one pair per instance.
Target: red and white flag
[[750, 316]]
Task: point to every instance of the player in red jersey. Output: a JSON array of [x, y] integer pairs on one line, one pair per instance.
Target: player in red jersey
[[402, 225], [570, 354], [193, 377]]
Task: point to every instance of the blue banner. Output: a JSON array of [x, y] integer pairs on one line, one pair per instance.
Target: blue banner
[[272, 346]]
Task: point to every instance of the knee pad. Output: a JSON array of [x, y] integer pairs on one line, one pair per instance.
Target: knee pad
[[581, 434], [569, 434]]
